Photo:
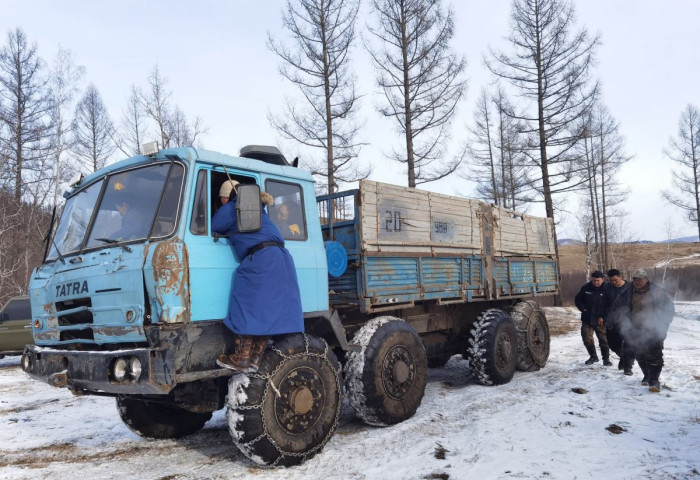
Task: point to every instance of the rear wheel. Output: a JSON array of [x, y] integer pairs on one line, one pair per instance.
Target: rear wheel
[[386, 379], [493, 349], [285, 413], [159, 419], [533, 336]]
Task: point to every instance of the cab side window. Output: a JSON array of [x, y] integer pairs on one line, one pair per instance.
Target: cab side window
[[288, 211]]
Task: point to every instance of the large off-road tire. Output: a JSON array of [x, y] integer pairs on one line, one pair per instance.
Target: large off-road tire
[[493, 349], [284, 413], [159, 420], [533, 336], [386, 379]]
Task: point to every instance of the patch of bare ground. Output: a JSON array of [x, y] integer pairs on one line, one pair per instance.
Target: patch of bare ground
[[562, 320]]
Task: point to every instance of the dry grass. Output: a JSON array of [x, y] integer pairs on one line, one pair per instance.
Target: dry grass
[[628, 256]]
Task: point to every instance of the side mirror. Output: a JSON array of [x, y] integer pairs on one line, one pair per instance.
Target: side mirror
[[248, 208]]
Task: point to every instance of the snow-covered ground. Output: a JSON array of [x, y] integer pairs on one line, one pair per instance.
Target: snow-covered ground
[[535, 427]]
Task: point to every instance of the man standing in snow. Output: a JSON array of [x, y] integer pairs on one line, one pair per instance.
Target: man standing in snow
[[614, 290], [590, 300], [649, 311]]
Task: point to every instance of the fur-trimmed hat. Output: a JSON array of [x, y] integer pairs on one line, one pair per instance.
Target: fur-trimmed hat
[[226, 187]]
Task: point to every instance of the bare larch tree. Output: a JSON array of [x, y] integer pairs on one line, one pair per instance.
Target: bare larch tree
[[24, 114], [494, 151], [318, 62], [685, 151], [421, 79], [130, 135], [93, 131], [171, 124], [550, 69], [602, 156], [64, 84]]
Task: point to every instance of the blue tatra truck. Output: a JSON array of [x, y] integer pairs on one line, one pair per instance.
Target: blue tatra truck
[[130, 298]]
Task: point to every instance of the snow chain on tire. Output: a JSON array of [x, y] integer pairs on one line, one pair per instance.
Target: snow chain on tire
[[263, 448], [386, 379], [492, 350], [533, 336]]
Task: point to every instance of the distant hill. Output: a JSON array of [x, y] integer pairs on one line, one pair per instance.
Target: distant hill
[[569, 241], [693, 238]]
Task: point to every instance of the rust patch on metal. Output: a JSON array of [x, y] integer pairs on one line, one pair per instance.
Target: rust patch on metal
[[168, 268]]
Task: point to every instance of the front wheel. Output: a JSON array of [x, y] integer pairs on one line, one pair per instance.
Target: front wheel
[[386, 379], [159, 420], [493, 348], [285, 413]]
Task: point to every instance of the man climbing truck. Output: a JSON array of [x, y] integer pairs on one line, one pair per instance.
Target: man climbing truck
[[393, 280]]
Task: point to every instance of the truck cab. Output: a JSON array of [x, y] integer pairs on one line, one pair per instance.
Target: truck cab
[[134, 272]]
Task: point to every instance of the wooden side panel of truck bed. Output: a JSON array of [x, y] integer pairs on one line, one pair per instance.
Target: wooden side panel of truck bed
[[401, 220]]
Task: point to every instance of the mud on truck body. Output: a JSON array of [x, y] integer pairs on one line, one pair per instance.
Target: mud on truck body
[[393, 280]]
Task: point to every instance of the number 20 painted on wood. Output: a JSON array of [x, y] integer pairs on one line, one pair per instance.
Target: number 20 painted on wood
[[392, 220]]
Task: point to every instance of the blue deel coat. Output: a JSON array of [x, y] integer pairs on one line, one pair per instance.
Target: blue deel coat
[[265, 298]]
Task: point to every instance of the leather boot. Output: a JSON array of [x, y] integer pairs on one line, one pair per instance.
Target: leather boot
[[259, 346], [240, 359], [654, 384], [605, 353], [593, 356]]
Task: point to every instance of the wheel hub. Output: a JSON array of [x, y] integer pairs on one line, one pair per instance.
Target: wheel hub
[[504, 351], [300, 401], [398, 371], [537, 341]]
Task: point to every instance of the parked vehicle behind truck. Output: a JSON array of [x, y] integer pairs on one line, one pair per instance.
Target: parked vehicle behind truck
[[15, 328], [393, 280]]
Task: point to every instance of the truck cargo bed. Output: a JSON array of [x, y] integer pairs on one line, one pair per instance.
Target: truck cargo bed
[[407, 246]]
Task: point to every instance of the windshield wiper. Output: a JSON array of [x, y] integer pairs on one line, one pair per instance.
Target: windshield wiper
[[111, 241]]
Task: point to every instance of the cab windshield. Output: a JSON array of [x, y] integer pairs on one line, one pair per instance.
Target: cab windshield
[[126, 206]]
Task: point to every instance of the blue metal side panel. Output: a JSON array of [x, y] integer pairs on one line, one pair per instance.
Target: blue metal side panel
[[474, 275], [500, 274], [441, 277], [522, 276], [547, 276], [396, 277]]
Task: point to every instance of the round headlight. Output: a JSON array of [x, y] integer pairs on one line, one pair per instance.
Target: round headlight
[[135, 368], [120, 369]]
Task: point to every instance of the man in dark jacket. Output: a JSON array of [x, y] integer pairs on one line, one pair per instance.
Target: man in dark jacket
[[614, 290], [590, 300], [644, 324]]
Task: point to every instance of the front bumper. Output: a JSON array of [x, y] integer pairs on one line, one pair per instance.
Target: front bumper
[[90, 371]]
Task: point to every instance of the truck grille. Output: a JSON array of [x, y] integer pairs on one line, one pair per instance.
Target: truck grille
[[83, 317]]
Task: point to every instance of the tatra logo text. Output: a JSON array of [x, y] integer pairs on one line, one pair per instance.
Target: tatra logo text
[[72, 288]]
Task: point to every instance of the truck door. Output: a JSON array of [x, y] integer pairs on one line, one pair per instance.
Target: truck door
[[303, 240], [211, 260]]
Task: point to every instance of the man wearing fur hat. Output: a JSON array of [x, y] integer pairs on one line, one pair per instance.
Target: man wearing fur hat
[[648, 311], [265, 299], [590, 300]]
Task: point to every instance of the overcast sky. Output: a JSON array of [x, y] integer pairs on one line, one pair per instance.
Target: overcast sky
[[214, 55]]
